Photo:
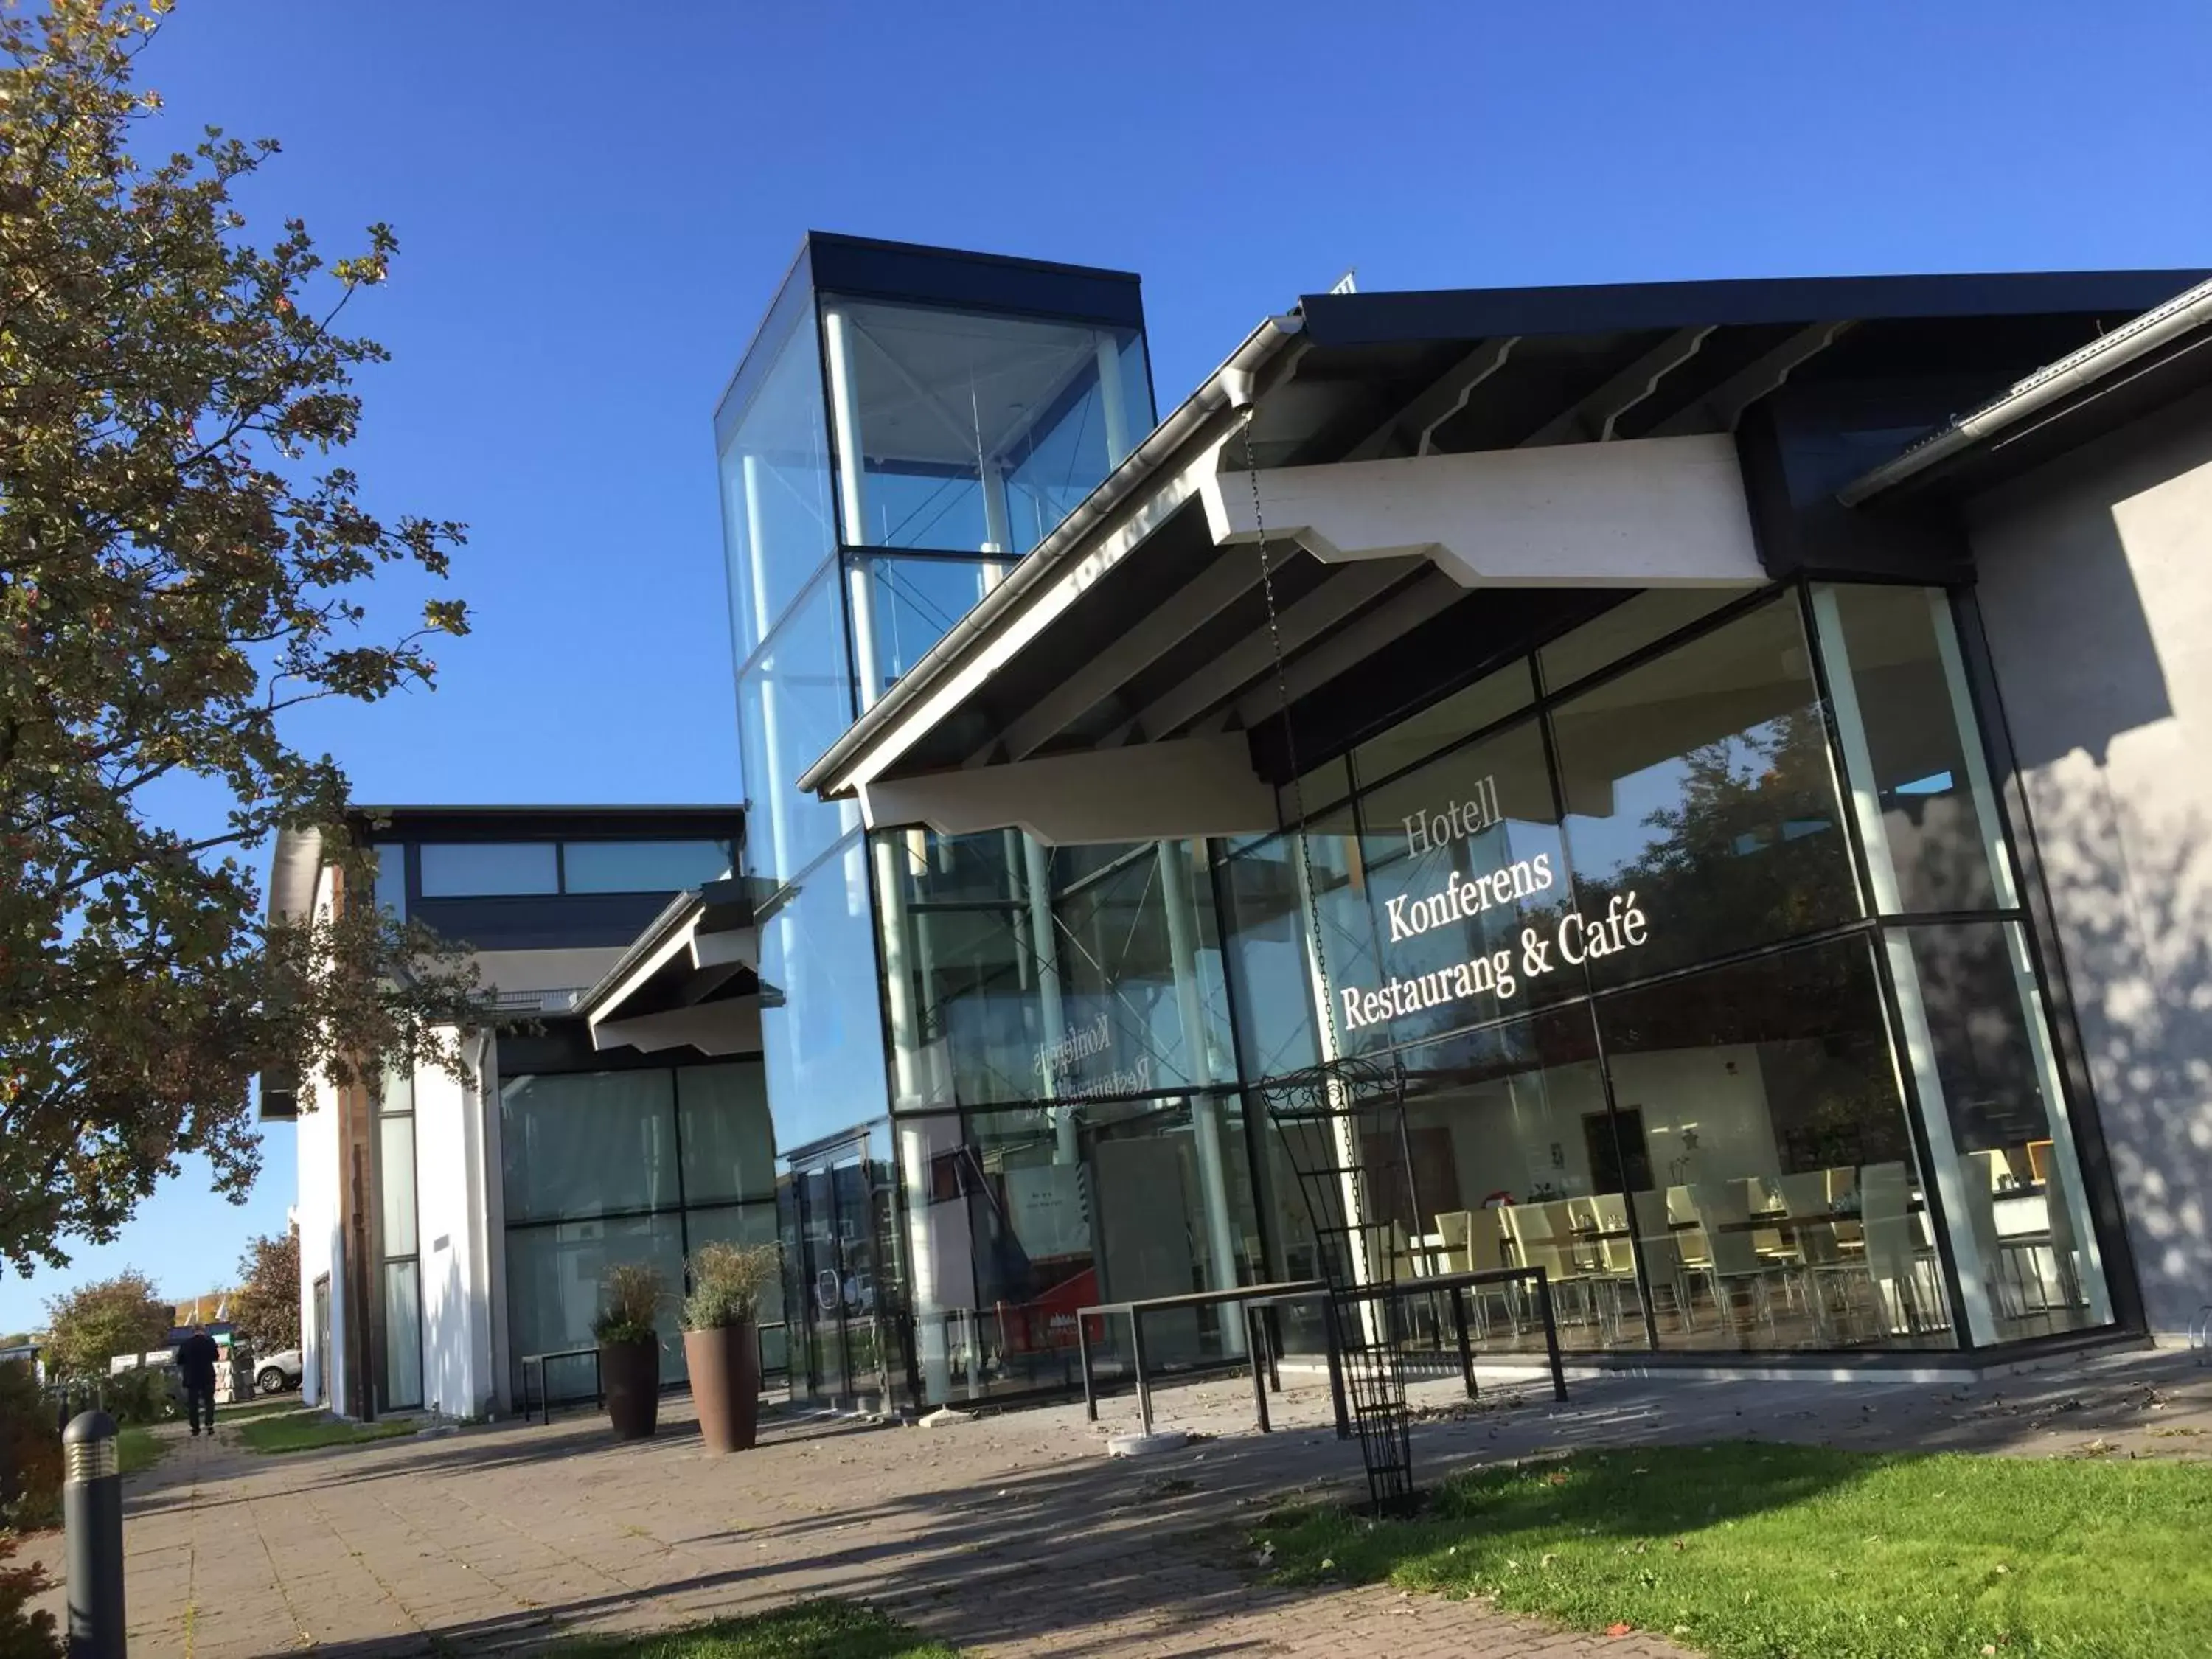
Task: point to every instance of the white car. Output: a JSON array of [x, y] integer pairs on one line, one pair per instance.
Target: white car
[[274, 1373]]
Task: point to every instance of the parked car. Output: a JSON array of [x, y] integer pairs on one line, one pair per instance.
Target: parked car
[[274, 1373]]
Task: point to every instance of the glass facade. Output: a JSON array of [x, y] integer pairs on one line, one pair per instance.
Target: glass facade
[[969, 432], [1709, 977], [635, 1166], [884, 462], [1694, 931], [777, 523]]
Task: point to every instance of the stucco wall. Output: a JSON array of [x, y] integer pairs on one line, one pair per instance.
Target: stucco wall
[[318, 1161], [457, 1359], [2096, 588]]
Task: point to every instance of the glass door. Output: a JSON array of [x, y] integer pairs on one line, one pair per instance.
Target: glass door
[[831, 1242]]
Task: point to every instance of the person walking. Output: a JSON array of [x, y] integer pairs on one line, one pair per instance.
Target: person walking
[[196, 1357]]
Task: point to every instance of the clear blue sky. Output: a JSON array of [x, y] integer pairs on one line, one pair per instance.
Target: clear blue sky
[[594, 203]]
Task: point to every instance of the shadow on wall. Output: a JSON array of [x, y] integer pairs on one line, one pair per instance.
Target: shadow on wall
[[2134, 900], [2091, 586]]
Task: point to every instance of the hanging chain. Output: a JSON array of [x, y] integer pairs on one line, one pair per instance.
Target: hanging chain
[[1290, 735]]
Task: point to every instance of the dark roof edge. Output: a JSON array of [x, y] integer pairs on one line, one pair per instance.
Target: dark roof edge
[[1003, 261], [2186, 313], [1479, 313]]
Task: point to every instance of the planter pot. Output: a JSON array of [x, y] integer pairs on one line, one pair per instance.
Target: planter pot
[[630, 1373], [725, 1366]]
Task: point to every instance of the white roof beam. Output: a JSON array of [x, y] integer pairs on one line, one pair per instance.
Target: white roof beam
[[1414, 426], [1635, 513], [1593, 418], [1722, 406]]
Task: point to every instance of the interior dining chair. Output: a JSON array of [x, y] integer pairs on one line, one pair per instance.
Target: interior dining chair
[[1537, 1242], [1664, 1265], [1736, 1265], [1475, 1243], [1892, 1260]]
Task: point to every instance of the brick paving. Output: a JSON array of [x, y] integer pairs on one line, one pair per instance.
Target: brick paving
[[1010, 1536]]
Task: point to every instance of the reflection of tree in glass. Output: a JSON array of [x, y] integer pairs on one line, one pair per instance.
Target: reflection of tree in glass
[[1751, 850]]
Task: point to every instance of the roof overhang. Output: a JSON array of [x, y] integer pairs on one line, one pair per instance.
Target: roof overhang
[[691, 979], [2162, 355], [1446, 477]]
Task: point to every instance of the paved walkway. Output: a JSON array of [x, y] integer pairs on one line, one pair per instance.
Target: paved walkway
[[1010, 1536]]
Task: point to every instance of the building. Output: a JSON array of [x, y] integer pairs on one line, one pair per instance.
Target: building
[[1749, 803], [446, 1223]]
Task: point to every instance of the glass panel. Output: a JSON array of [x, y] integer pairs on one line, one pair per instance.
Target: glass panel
[[748, 1224], [1277, 976], [978, 433], [489, 869], [587, 1142], [1513, 1159], [1085, 973], [1464, 869], [553, 1278], [1700, 793], [1915, 757], [642, 867], [2021, 1229], [395, 1181], [1485, 702], [391, 879], [823, 1036], [1629, 627], [794, 700], [776, 524], [398, 1092], [1168, 1220], [729, 1146], [1776, 1197], [403, 1334], [909, 604]]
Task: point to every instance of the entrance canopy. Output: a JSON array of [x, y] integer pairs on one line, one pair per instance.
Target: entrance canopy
[[692, 978], [1440, 481]]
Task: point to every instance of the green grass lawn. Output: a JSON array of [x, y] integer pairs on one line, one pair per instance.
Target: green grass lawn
[[314, 1432], [137, 1449], [817, 1630], [1768, 1552]]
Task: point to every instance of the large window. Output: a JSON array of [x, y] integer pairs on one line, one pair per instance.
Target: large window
[[1701, 784], [1710, 977], [794, 700], [821, 1026], [970, 433], [517, 868], [602, 1168], [1022, 973], [1765, 1158], [905, 605], [489, 869], [777, 526], [399, 1323]]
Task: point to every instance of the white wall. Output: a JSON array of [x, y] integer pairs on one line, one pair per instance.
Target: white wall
[[319, 1184], [452, 1233], [2095, 584], [1705, 1116]]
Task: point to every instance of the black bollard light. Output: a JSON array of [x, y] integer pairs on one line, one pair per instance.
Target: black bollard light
[[92, 1513]]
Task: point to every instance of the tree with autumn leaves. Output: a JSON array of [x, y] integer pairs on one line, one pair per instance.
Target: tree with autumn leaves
[[182, 563]]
